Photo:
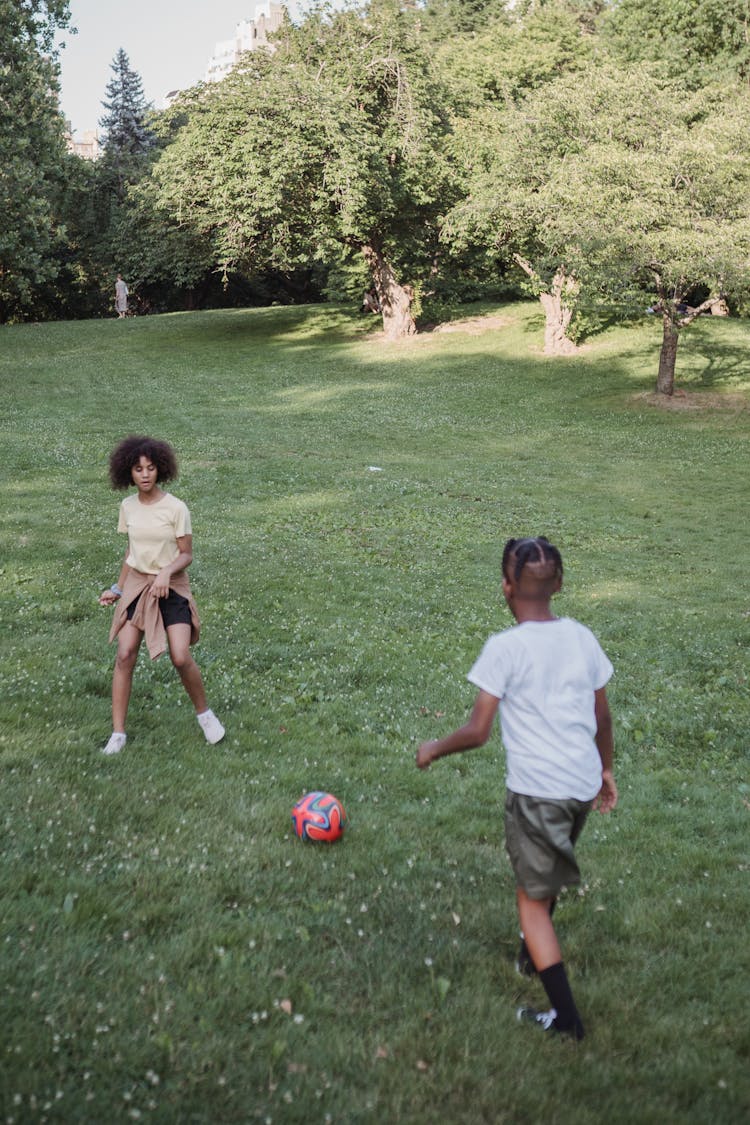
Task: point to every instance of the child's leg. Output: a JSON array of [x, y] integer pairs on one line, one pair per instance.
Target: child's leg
[[524, 962], [539, 934]]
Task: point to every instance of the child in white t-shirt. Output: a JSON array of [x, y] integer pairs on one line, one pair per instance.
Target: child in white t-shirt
[[547, 675]]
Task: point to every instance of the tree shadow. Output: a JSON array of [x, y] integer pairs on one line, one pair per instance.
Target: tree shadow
[[716, 359]]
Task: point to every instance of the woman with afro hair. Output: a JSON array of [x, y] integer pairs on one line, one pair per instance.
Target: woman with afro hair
[[152, 593]]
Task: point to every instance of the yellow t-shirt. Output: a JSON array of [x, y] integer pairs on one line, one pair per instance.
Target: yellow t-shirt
[[153, 530]]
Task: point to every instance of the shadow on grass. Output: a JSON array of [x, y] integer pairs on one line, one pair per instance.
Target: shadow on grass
[[716, 355]]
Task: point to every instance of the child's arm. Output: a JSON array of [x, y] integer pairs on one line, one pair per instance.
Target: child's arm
[[473, 733], [607, 796]]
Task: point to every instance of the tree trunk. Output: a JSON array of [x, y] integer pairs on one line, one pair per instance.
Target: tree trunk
[[395, 299], [558, 302], [557, 319], [667, 357]]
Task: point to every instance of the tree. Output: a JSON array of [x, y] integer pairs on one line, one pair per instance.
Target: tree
[[634, 202], [677, 219], [489, 72], [128, 140], [128, 151], [446, 19], [520, 50], [157, 255], [335, 143], [697, 43], [32, 149]]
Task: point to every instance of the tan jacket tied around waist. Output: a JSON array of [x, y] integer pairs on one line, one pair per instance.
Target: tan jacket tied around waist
[[147, 617]]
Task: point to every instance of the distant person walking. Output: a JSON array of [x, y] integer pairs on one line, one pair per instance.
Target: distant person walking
[[121, 296]]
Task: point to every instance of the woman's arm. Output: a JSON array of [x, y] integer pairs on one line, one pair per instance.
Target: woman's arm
[[160, 585], [109, 597]]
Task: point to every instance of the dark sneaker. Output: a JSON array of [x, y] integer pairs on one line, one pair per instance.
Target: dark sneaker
[[543, 1020], [546, 1021], [524, 964]]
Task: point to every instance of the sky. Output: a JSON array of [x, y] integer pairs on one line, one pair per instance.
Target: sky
[[168, 42]]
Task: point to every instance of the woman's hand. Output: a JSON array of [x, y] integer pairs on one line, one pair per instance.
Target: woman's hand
[[108, 597], [160, 585]]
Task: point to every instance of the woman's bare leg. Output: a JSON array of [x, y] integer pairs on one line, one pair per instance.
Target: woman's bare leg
[[189, 672], [128, 643]]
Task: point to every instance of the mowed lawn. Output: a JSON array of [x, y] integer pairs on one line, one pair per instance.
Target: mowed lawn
[[170, 951]]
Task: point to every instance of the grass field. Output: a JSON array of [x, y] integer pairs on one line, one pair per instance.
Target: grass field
[[170, 952]]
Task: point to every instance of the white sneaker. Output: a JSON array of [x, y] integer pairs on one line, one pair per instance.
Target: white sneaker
[[211, 727], [116, 742]]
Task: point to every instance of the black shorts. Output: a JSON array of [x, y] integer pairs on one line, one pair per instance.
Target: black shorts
[[175, 610]]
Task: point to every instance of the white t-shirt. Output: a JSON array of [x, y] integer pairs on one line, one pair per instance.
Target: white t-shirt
[[545, 674], [153, 530]]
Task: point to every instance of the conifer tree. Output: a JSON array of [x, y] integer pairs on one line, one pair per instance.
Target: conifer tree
[[128, 140]]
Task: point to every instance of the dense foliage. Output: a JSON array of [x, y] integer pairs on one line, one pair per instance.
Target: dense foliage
[[628, 202], [32, 151], [333, 146], [589, 152]]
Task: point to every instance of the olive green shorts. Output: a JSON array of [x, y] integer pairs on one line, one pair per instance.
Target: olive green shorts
[[540, 836]]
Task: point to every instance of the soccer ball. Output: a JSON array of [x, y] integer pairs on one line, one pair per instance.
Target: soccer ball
[[319, 817]]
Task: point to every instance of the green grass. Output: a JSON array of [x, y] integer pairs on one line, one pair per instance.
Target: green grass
[[170, 952]]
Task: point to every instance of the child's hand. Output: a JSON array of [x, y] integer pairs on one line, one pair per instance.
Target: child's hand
[[606, 799], [424, 755]]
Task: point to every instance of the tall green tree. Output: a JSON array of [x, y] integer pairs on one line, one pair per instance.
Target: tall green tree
[[638, 201], [334, 144], [129, 148], [128, 140], [32, 150]]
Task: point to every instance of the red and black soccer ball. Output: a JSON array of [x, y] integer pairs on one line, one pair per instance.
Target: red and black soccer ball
[[319, 818]]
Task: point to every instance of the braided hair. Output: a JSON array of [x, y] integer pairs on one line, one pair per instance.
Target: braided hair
[[538, 550]]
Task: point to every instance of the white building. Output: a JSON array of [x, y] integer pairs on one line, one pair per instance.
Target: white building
[[249, 35], [89, 148]]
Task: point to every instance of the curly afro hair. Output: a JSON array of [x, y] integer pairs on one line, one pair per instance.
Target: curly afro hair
[[129, 452]]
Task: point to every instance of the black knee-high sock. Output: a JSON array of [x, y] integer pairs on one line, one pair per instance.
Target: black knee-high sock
[[555, 981]]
